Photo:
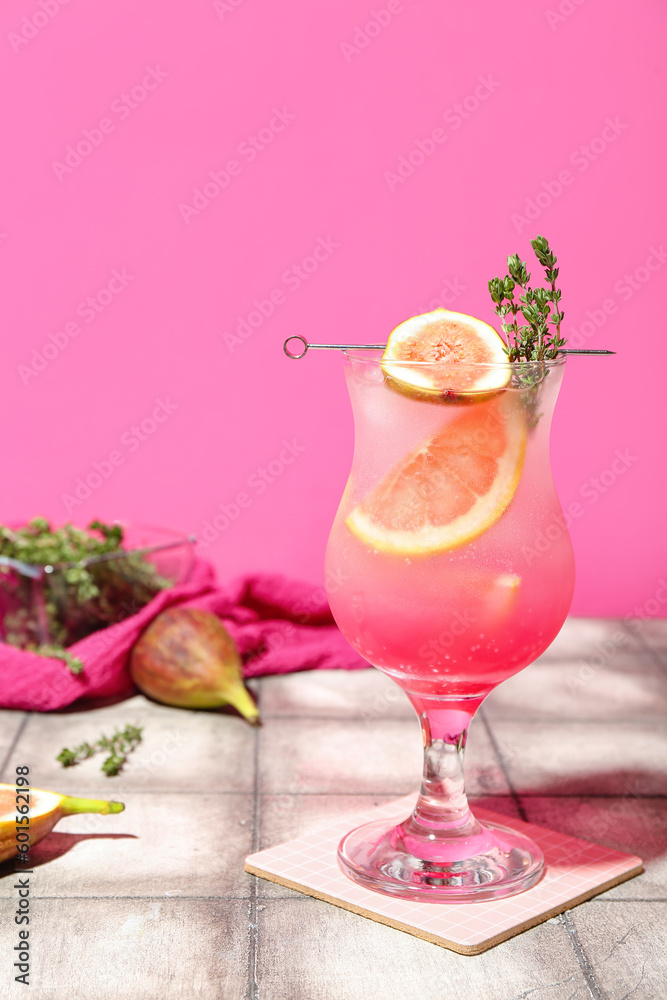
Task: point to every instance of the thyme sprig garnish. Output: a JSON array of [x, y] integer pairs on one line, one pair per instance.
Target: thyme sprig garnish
[[534, 340], [117, 746]]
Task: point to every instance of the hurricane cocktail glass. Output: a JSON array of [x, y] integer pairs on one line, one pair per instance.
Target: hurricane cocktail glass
[[453, 570]]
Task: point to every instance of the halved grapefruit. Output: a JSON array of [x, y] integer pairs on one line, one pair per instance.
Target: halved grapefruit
[[450, 489], [456, 340]]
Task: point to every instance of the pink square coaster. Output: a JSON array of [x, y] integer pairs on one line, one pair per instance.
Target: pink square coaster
[[575, 870]]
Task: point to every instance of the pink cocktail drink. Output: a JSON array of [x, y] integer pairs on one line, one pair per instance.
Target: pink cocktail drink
[[452, 623], [453, 570]]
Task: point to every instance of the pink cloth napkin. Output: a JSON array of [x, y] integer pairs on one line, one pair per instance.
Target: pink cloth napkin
[[279, 625]]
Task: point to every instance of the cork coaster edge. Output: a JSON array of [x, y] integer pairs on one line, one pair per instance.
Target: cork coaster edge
[[460, 949]]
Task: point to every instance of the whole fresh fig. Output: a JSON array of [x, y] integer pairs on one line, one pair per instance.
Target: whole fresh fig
[[186, 657]]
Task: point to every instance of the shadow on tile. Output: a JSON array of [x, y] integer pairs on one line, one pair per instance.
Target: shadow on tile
[[85, 705], [637, 826], [625, 785], [55, 845], [630, 821]]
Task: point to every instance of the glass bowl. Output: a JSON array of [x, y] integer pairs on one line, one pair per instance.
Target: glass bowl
[[63, 603]]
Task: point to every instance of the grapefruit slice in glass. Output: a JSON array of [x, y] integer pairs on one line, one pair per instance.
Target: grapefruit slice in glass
[[459, 342], [452, 487]]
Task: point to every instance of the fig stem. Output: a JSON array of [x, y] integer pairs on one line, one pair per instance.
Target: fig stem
[[70, 805], [240, 698]]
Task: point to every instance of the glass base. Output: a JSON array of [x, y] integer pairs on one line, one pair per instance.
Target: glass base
[[492, 863]]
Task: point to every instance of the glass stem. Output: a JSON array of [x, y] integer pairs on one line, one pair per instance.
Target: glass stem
[[442, 811]]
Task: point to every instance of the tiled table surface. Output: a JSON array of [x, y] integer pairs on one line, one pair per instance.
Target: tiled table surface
[[153, 904]]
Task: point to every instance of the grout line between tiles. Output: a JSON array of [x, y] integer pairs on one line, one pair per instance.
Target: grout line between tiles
[[117, 896], [582, 958], [475, 796], [556, 720], [658, 719], [252, 988], [383, 793], [322, 717], [646, 645], [549, 720], [626, 899], [129, 790], [501, 760], [295, 896], [13, 744]]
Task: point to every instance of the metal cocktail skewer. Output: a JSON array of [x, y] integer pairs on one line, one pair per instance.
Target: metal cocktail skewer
[[328, 347], [381, 347]]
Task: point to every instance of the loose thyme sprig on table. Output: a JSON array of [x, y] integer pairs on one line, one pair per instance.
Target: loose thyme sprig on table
[[118, 746], [539, 307]]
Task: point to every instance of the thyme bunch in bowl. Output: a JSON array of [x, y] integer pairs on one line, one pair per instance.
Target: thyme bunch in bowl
[[58, 585]]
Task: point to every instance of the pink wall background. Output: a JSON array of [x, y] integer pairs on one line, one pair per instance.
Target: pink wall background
[[336, 93]]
